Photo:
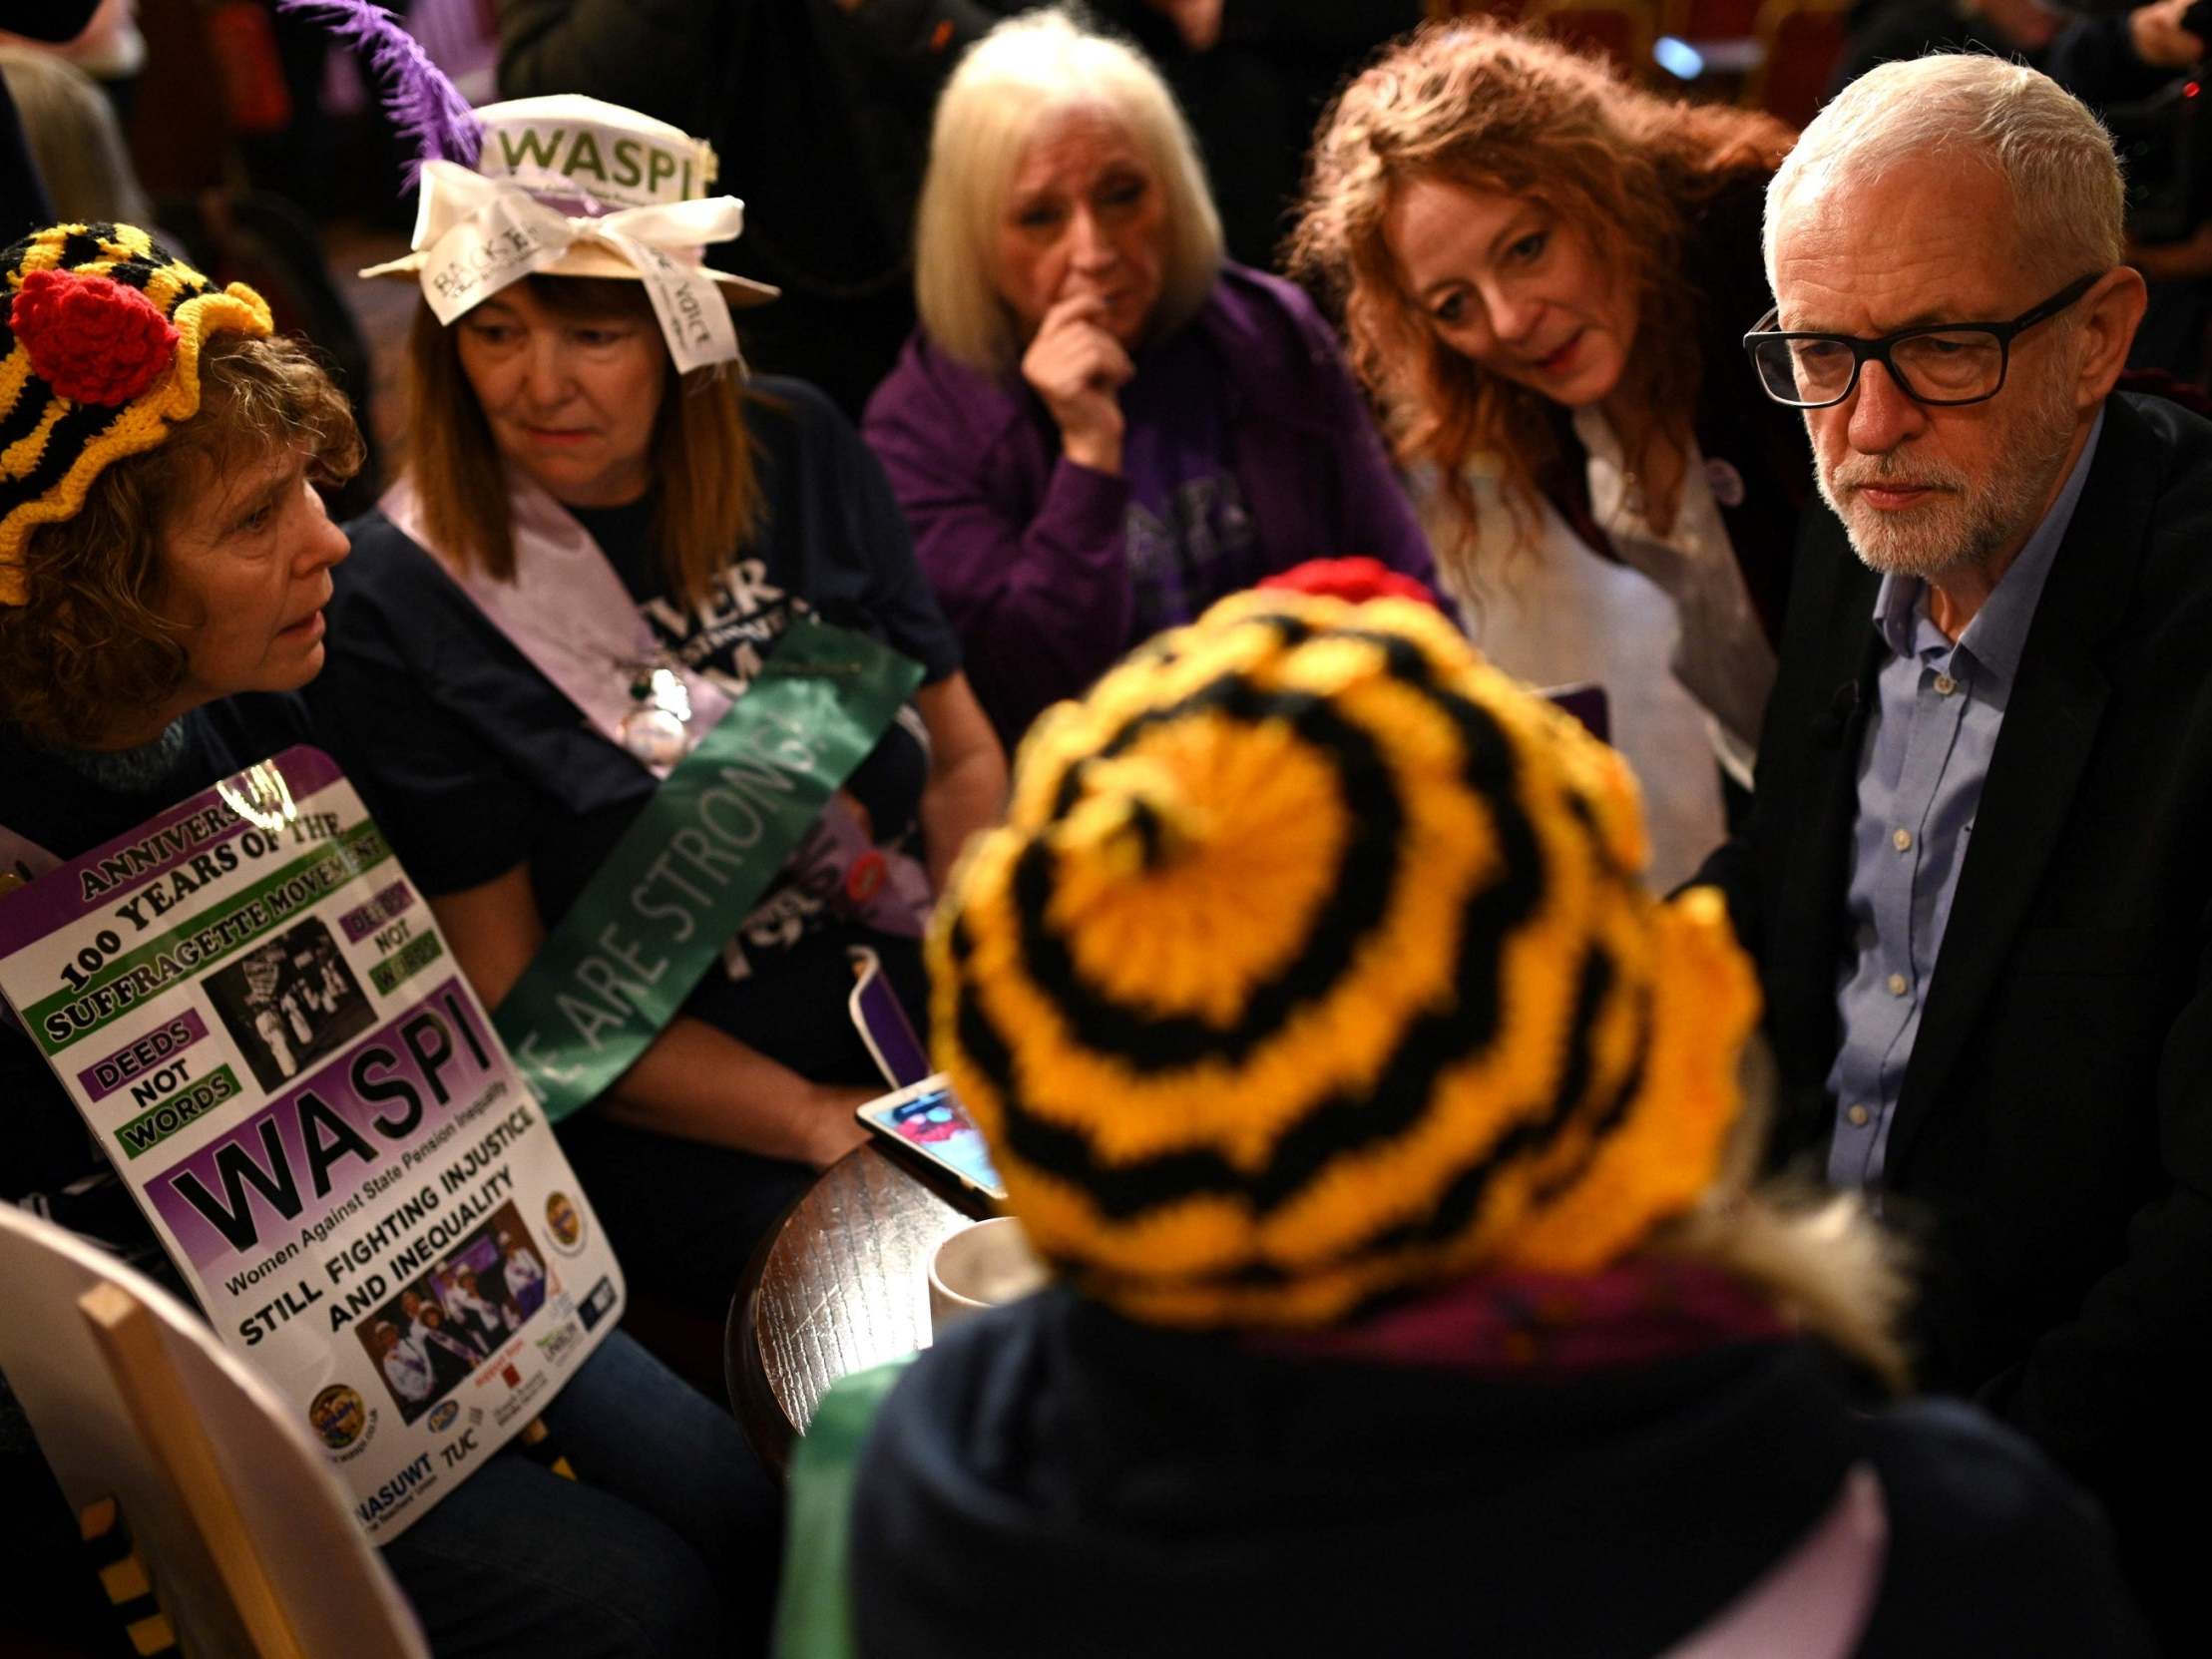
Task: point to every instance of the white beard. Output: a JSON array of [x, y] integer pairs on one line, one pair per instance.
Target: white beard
[[1965, 524]]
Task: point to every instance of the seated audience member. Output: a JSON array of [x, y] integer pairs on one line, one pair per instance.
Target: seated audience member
[[1252, 79], [1384, 1137], [1101, 426], [1545, 272], [1880, 31], [76, 139], [165, 562], [24, 202], [1975, 877], [591, 555], [2127, 54], [2138, 70]]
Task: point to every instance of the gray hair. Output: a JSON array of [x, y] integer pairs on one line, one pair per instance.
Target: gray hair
[[2054, 156], [1012, 81]]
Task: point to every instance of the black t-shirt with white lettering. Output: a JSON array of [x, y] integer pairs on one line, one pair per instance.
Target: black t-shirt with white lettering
[[474, 762]]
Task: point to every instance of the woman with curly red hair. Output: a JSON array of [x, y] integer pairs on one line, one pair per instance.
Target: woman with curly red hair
[[1545, 274]]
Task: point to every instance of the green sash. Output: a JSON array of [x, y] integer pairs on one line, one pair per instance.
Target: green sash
[[813, 1618], [696, 860]]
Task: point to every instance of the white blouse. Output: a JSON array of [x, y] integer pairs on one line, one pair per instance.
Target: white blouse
[[1720, 653], [1554, 613]]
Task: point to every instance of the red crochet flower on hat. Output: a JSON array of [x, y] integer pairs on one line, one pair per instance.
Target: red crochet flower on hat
[[1354, 579], [92, 338]]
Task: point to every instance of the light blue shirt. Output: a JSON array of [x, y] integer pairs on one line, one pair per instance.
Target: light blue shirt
[[1938, 707]]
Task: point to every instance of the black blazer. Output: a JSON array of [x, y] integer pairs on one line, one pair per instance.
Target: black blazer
[[2052, 1141]]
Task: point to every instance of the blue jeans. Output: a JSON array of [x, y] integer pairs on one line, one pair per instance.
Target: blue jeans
[[668, 1543]]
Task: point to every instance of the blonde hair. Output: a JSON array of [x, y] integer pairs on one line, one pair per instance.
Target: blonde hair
[[2054, 156], [708, 501], [1020, 75]]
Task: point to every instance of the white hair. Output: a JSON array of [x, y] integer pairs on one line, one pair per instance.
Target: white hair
[[1010, 82], [2055, 158]]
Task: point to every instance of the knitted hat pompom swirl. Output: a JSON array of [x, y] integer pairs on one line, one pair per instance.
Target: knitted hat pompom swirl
[[1312, 962]]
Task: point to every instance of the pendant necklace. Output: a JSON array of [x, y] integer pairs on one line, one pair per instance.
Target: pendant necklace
[[656, 730]]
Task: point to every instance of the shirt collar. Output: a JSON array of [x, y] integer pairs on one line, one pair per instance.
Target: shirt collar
[[1998, 634]]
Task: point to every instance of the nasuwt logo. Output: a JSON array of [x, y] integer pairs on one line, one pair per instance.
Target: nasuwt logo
[[395, 1493], [439, 1421]]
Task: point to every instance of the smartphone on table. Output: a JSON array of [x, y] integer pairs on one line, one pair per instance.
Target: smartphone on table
[[928, 1119]]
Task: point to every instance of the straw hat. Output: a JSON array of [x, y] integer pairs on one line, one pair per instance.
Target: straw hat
[[585, 159]]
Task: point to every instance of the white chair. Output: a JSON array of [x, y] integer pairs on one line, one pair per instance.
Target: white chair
[[247, 1536]]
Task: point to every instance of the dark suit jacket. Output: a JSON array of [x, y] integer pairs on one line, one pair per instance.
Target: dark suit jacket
[[2054, 1132]]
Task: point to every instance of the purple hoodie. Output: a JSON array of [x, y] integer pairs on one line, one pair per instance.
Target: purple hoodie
[[1030, 553]]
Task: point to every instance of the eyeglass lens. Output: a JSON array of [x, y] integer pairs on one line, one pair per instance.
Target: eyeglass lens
[[1955, 365]]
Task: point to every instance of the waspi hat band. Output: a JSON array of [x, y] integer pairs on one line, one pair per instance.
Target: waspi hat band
[[568, 185]]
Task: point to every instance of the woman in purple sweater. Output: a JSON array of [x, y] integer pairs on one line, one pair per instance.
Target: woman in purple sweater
[[1102, 426]]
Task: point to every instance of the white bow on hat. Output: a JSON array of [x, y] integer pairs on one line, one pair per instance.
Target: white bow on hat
[[476, 234]]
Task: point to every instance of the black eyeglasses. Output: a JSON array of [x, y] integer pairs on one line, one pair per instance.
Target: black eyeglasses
[[1942, 363]]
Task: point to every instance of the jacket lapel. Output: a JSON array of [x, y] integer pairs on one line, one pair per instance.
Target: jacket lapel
[[1827, 725], [2049, 732]]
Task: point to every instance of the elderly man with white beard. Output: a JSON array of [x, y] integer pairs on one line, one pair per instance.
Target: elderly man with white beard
[[1977, 877]]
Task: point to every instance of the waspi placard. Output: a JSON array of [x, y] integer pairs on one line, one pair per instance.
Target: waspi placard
[[256, 1014]]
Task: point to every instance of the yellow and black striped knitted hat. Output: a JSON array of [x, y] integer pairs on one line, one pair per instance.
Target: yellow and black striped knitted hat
[[99, 359], [1312, 962]]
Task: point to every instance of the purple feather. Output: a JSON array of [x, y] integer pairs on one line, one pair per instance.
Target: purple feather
[[428, 109]]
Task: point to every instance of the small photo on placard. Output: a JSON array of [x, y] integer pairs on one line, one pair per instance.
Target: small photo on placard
[[290, 1003], [443, 1324]]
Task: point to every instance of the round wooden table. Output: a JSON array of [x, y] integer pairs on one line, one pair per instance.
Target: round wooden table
[[840, 1285]]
